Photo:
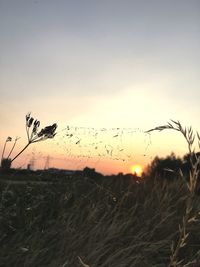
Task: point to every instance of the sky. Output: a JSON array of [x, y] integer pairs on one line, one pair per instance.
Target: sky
[[99, 64]]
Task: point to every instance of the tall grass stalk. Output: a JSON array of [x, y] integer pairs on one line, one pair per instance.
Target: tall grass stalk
[[16, 139], [189, 215], [109, 222], [8, 139], [82, 263]]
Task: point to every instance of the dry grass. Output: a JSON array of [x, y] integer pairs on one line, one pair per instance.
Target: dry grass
[[104, 223], [79, 223], [190, 215]]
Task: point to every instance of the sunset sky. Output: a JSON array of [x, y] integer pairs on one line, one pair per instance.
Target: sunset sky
[[128, 64]]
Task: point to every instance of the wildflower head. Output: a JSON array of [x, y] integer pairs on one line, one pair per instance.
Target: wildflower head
[[28, 115], [48, 131], [29, 120], [36, 125], [9, 139]]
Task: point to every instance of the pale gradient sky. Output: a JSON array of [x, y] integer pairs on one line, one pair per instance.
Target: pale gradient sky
[[105, 63]]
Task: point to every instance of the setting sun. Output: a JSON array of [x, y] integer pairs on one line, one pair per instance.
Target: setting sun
[[137, 169]]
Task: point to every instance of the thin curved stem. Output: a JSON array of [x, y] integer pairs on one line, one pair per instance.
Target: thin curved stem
[[21, 151], [12, 149], [3, 151], [27, 132]]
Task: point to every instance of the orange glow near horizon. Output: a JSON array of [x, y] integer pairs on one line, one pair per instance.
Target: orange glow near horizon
[[137, 169]]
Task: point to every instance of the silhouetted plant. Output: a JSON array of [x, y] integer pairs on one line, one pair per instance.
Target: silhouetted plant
[[8, 139], [189, 215], [16, 139], [5, 162], [33, 133], [194, 158]]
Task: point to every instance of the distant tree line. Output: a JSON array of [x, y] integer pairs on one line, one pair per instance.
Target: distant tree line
[[170, 166]]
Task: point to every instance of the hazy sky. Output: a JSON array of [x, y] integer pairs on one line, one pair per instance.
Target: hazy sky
[[105, 63]]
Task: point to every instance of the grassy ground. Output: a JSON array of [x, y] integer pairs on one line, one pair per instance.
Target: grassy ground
[[102, 224]]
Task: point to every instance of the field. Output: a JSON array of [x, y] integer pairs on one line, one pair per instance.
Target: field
[[105, 222]]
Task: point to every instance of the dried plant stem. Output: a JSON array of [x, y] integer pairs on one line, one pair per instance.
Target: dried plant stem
[[12, 147], [4, 147], [20, 152], [82, 263], [35, 135], [191, 184], [183, 235]]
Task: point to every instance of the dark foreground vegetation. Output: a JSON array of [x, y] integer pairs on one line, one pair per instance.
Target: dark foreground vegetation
[[96, 222], [84, 219]]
